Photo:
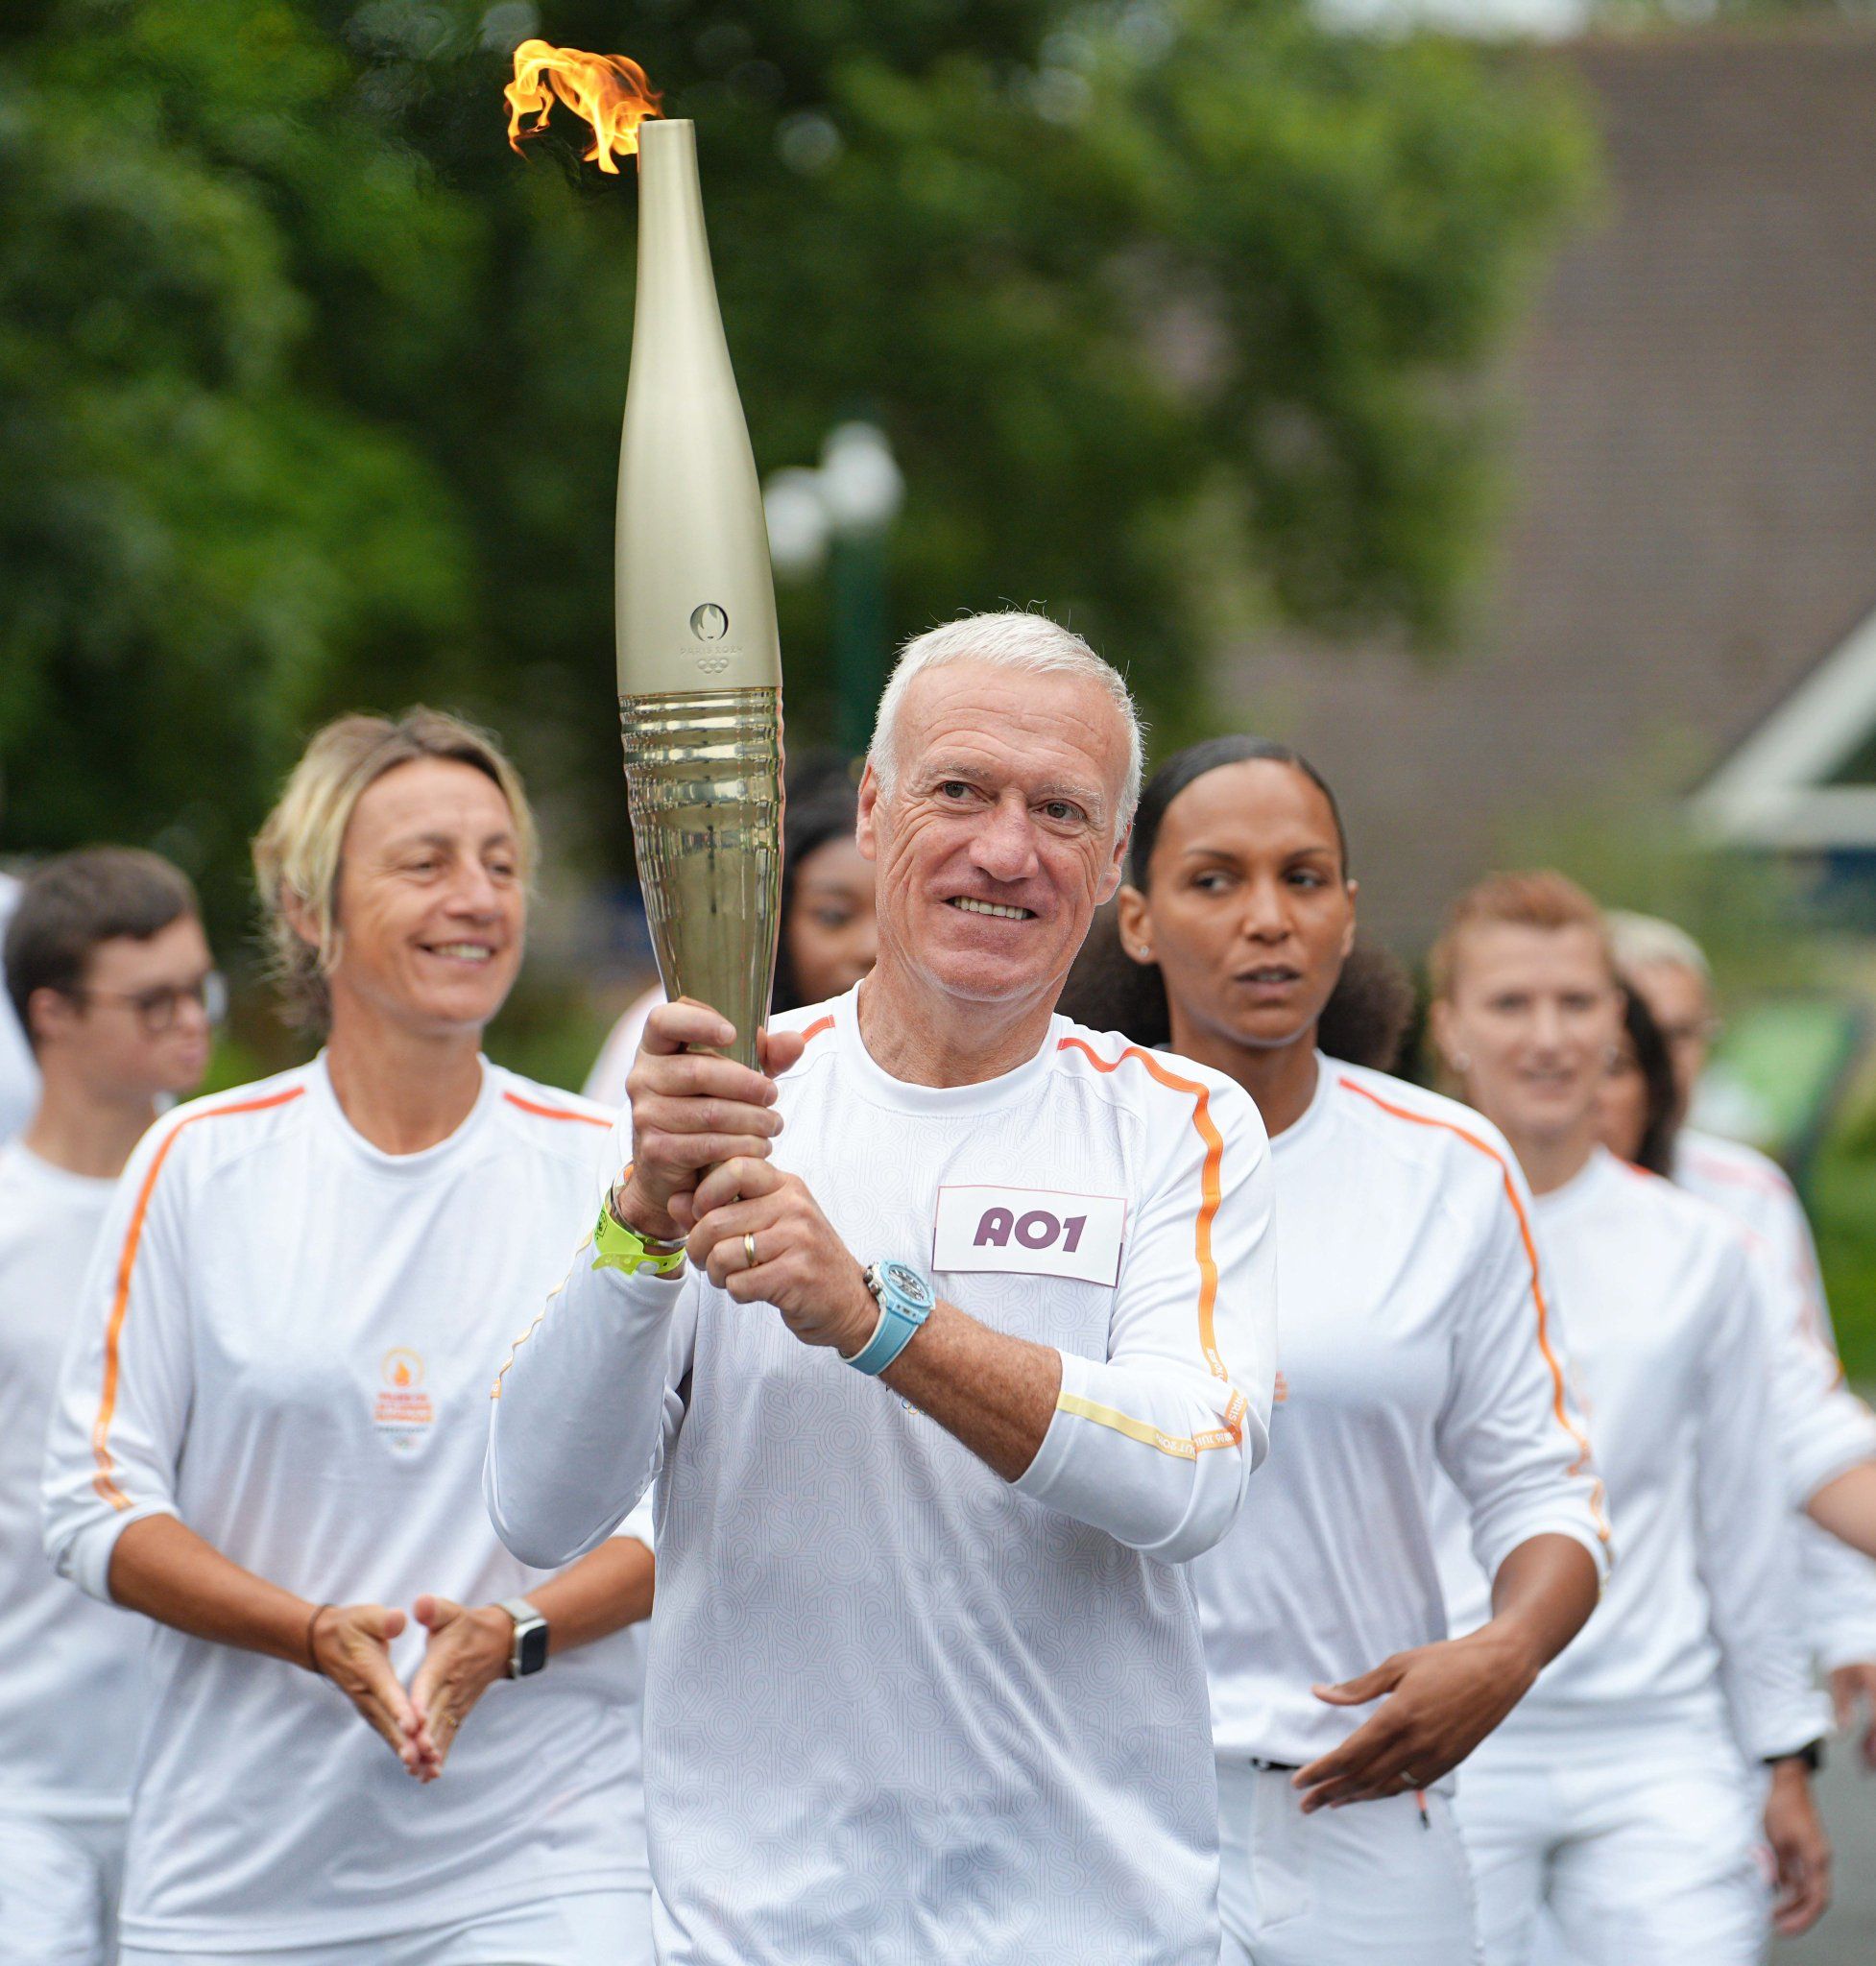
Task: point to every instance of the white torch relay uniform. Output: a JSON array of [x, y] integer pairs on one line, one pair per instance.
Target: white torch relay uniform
[[1838, 1583], [1619, 1790], [1414, 1331], [286, 1342], [900, 1709], [71, 1703], [19, 1076]]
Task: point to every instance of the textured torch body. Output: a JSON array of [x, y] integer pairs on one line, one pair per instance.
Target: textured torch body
[[699, 657]]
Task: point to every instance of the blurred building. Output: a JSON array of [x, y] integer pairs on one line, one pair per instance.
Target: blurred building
[[1683, 599]]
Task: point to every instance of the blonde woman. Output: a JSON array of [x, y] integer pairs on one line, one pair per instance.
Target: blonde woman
[[270, 1434]]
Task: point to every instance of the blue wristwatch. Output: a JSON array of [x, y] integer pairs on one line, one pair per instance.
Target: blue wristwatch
[[906, 1300]]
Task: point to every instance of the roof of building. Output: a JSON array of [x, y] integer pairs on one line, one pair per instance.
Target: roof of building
[[1691, 530]]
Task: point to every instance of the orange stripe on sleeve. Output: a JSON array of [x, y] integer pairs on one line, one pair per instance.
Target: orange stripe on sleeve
[[120, 1302], [1560, 1403], [1211, 1183], [541, 1112]]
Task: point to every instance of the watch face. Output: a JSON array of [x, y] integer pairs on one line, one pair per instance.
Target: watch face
[[907, 1283], [534, 1650]]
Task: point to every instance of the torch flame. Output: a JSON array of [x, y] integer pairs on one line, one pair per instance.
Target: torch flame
[[609, 91]]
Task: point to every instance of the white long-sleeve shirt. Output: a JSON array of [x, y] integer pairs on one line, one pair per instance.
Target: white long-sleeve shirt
[[1412, 1330], [1838, 1583], [286, 1342], [1671, 1356], [19, 1075], [899, 1708], [71, 1699]]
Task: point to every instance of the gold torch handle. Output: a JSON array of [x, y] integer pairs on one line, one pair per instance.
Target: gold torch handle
[[703, 773]]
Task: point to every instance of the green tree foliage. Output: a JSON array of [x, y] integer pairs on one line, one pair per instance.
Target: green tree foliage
[[309, 388]]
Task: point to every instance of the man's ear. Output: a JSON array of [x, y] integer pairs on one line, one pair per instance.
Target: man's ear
[[865, 833], [1115, 868], [50, 1014]]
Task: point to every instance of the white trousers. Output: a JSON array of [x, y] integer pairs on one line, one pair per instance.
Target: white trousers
[[1643, 1844], [1377, 1884], [58, 1884], [591, 1929]]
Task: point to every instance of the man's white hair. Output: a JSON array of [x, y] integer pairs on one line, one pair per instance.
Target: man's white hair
[[1645, 942], [1030, 643]]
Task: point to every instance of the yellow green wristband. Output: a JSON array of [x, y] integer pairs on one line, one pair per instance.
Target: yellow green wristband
[[615, 1247]]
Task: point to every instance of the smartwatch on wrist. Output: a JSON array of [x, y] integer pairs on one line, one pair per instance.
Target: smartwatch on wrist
[[906, 1300], [527, 1652], [615, 1247]]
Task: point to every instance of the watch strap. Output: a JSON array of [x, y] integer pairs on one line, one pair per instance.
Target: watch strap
[[527, 1621], [906, 1300]]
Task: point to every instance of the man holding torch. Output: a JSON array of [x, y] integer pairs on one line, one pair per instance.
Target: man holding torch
[[941, 1385]]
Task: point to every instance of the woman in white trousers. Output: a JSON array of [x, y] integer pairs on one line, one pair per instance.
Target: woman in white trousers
[[1413, 1335], [271, 1430]]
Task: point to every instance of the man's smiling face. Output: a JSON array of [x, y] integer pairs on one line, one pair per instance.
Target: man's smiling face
[[999, 838]]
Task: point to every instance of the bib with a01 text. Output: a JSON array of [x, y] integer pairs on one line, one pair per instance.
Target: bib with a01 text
[[1035, 1232]]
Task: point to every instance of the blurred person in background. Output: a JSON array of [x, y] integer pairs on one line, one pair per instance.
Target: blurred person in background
[[827, 938], [1620, 1792], [1411, 1334], [19, 1078], [1670, 972], [1828, 1435], [1638, 1105], [270, 1430], [108, 971]]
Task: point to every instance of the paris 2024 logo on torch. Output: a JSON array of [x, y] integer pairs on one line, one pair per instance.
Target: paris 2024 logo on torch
[[710, 623]]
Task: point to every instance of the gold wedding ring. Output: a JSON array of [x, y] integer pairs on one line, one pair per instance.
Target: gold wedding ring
[[749, 1247]]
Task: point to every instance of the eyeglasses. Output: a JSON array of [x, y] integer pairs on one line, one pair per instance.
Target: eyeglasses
[[156, 1008]]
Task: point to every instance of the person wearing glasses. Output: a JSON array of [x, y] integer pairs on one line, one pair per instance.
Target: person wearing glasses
[[108, 975], [269, 1433]]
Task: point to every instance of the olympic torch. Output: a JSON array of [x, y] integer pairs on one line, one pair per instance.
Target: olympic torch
[[699, 656]]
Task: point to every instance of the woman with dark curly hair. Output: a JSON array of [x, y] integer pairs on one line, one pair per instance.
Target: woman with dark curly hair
[[1412, 1337]]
